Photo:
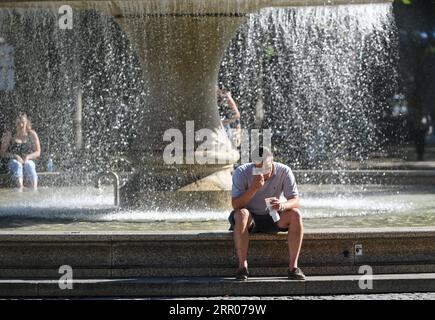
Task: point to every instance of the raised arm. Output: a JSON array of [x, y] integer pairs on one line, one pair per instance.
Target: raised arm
[[243, 200], [232, 104]]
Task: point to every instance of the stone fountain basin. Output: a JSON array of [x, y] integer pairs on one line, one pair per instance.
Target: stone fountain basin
[[211, 254], [137, 7]]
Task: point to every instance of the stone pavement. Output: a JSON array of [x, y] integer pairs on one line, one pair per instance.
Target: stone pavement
[[390, 296]]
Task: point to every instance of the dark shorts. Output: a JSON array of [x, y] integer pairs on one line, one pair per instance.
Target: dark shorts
[[260, 224]]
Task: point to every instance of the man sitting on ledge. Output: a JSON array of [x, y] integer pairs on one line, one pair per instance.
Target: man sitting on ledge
[[254, 185]]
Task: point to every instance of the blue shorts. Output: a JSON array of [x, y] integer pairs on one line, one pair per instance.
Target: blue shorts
[[261, 223]]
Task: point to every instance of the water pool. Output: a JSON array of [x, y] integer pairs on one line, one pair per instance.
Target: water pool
[[323, 206]]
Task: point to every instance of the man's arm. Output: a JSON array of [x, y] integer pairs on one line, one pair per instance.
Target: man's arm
[[290, 193], [291, 203], [243, 200]]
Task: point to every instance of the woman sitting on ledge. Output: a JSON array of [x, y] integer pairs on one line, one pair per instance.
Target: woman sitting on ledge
[[21, 149]]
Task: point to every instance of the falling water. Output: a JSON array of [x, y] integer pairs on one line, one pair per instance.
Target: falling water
[[54, 66], [323, 76]]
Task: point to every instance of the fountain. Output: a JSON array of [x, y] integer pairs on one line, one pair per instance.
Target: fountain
[[180, 45], [165, 69]]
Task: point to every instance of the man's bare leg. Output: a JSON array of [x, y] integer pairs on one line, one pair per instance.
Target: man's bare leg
[[292, 219], [243, 221]]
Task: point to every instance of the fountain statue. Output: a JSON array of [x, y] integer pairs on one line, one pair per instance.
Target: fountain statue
[[180, 44]]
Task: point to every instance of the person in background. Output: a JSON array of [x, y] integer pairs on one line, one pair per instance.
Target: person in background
[[230, 116], [422, 126], [22, 149]]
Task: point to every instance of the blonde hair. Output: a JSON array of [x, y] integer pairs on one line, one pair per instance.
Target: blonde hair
[[29, 123]]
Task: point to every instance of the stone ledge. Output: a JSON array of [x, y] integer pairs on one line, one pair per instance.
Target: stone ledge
[[121, 254], [314, 234], [385, 177], [370, 173], [217, 286], [228, 271]]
